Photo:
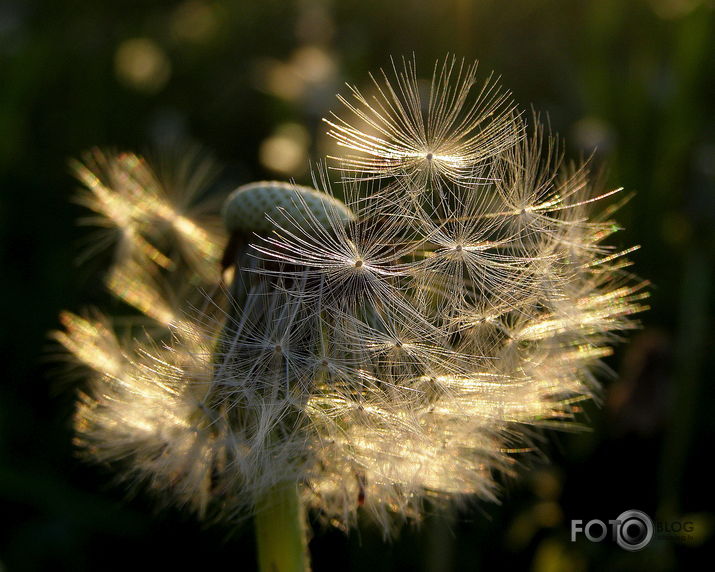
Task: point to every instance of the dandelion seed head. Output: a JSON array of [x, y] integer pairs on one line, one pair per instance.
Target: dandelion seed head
[[399, 335]]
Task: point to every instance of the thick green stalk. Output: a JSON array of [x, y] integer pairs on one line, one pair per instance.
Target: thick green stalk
[[281, 532]]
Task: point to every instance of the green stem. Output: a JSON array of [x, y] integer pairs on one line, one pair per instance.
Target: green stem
[[281, 531]]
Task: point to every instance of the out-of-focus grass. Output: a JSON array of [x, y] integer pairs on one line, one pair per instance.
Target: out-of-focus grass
[[632, 78]]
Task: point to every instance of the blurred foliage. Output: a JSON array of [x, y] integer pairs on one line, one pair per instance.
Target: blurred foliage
[[632, 79]]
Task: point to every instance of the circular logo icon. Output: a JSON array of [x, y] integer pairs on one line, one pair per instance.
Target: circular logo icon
[[635, 530]]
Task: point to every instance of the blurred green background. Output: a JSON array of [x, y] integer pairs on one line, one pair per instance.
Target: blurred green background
[[250, 81]]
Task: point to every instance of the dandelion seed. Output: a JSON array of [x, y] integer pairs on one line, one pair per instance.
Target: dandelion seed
[[399, 133], [140, 204], [92, 342], [354, 260]]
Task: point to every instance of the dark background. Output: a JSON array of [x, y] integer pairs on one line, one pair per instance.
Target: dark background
[[250, 81]]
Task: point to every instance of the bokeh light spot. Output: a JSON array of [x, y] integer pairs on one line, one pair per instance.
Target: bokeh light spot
[[141, 64], [286, 151]]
